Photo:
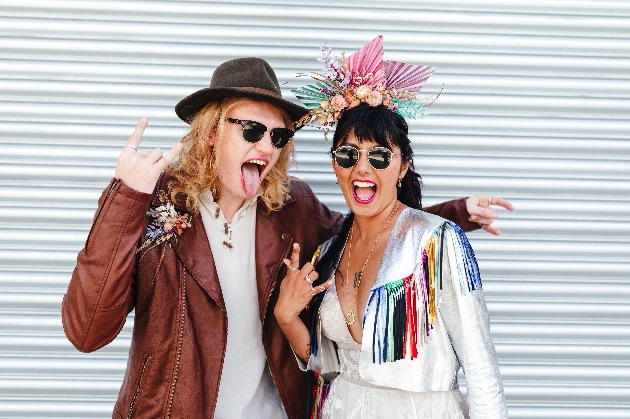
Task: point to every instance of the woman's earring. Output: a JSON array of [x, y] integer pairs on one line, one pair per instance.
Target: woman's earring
[[400, 182]]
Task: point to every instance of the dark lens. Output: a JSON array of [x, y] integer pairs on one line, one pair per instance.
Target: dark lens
[[280, 137], [380, 157], [253, 131], [346, 156]]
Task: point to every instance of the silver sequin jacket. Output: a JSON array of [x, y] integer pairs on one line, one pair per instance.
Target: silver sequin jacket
[[428, 267]]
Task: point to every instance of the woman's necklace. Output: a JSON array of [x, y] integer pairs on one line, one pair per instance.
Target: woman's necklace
[[350, 317]]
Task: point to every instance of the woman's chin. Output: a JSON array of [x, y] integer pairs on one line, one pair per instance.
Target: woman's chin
[[362, 207]]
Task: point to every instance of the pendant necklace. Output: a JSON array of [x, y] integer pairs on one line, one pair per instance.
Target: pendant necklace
[[350, 318]]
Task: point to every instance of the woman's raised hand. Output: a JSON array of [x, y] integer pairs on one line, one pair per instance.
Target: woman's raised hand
[[141, 171], [480, 210], [296, 289]]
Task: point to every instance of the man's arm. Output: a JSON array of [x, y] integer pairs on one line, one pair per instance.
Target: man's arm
[[454, 211], [100, 293]]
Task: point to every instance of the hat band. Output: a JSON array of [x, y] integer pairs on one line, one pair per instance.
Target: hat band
[[260, 90]]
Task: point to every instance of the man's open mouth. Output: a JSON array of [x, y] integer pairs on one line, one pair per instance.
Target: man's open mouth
[[251, 175], [364, 191]]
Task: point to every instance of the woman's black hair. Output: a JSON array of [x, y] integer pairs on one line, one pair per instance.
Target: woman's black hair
[[388, 129]]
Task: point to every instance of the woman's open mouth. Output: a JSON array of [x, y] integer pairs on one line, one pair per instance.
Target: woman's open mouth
[[251, 175], [364, 191]]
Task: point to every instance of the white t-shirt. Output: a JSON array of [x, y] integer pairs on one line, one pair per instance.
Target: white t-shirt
[[247, 389]]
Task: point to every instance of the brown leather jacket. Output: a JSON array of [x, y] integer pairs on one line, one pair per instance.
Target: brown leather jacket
[[180, 330]]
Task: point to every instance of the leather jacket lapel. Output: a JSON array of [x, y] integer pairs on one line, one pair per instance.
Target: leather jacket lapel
[[272, 245], [194, 250]]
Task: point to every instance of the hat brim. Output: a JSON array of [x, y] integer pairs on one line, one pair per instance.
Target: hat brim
[[188, 107]]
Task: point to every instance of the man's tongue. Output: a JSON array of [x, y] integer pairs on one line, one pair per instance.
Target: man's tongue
[[250, 178], [364, 192]]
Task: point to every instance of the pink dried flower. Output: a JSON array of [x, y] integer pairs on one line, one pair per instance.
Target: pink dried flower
[[338, 102]]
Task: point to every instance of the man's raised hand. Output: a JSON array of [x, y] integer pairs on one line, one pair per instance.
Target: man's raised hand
[[480, 210], [141, 171]]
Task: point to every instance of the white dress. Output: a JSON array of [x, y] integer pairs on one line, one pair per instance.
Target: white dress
[[350, 397]]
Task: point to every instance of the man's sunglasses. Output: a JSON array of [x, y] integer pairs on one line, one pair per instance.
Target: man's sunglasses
[[347, 156], [253, 132]]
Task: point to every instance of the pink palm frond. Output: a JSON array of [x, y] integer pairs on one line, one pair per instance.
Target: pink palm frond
[[403, 76], [367, 63]]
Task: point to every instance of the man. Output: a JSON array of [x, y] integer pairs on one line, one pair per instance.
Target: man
[[202, 266]]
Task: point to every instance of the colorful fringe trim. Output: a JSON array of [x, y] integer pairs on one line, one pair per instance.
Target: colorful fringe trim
[[406, 310], [319, 394]]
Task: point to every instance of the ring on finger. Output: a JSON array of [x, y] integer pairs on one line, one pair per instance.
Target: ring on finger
[[490, 200], [131, 146], [309, 280], [294, 269]]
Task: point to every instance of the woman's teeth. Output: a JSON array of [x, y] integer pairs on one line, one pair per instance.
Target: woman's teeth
[[361, 184], [364, 192]]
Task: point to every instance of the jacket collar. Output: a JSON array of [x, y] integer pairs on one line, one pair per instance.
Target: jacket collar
[[273, 243], [193, 248]]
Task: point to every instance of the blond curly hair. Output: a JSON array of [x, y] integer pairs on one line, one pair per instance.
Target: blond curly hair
[[196, 168]]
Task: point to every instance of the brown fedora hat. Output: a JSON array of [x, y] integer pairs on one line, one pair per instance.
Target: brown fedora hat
[[251, 78]]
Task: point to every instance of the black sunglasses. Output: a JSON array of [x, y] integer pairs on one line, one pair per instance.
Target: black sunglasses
[[253, 132], [347, 156]]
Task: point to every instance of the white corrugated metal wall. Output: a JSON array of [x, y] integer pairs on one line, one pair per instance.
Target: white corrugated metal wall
[[535, 109]]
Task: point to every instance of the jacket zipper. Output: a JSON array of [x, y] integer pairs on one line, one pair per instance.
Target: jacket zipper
[[135, 394], [111, 188], [179, 347], [265, 313]]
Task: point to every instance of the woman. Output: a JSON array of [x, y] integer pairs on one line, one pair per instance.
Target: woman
[[398, 308]]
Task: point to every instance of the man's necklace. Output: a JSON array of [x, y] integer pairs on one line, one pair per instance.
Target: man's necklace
[[350, 317]]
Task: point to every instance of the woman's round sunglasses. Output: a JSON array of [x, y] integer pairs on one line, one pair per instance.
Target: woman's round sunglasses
[[254, 131], [347, 156]]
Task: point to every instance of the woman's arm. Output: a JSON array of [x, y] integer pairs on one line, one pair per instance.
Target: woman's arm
[[295, 293], [466, 319]]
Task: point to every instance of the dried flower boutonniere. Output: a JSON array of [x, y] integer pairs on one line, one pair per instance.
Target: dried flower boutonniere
[[167, 223]]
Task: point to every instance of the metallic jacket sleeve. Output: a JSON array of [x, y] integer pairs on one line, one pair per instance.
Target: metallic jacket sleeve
[[465, 316]]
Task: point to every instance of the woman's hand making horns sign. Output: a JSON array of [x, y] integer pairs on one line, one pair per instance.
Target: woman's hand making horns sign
[[296, 291], [141, 171], [297, 287]]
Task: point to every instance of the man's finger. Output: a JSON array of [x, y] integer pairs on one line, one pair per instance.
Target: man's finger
[[136, 136], [485, 221], [155, 155], [485, 212], [502, 203], [170, 156], [492, 230]]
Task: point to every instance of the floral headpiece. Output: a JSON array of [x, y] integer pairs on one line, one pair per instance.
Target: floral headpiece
[[362, 77]]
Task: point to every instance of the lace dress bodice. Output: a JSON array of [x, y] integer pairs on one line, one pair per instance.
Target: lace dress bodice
[[335, 329]]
